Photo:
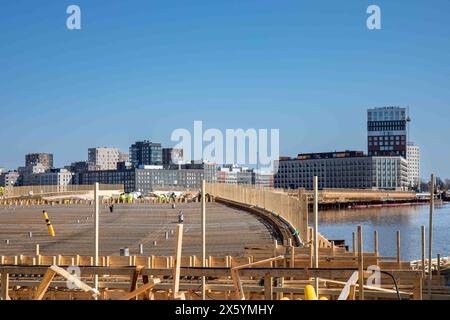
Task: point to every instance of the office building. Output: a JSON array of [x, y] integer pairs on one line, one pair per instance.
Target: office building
[[387, 131], [413, 158], [45, 159], [146, 153]]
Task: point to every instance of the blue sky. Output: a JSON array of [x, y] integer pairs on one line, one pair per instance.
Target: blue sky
[[140, 69]]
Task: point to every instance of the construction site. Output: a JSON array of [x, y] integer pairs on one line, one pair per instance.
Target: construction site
[[232, 243]]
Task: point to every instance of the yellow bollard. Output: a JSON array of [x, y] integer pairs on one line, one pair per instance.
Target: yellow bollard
[[310, 293], [49, 224]]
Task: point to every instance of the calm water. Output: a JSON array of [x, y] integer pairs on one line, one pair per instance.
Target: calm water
[[339, 225]]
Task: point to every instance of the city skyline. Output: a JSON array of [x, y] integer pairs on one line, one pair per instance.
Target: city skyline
[[139, 72]]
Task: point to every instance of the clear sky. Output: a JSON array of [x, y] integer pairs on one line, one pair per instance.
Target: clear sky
[[140, 69]]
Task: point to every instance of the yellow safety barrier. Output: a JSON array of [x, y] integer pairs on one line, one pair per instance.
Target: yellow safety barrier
[[310, 293], [49, 224]]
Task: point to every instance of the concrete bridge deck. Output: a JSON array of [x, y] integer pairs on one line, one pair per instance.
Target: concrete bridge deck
[[229, 230]]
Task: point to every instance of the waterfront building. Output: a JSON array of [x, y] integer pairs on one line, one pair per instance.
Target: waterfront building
[[390, 173], [106, 158], [45, 159], [342, 170], [146, 153], [413, 158], [172, 156], [9, 179], [347, 169], [2, 170], [387, 131]]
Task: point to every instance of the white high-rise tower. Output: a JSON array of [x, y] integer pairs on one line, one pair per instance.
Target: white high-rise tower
[[413, 158]]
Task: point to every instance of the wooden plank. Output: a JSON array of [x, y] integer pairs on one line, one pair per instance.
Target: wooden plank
[[347, 288], [45, 283], [360, 263], [177, 262], [141, 290], [5, 286], [237, 284], [134, 278], [418, 289], [268, 287]]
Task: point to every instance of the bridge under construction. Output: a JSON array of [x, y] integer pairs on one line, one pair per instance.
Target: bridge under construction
[[236, 242]]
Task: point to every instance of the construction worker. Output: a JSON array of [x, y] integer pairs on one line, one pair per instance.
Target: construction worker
[[111, 208], [181, 217]]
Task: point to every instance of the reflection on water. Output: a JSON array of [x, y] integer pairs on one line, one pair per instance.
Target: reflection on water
[[339, 225]]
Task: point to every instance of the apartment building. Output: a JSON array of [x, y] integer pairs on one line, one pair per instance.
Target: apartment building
[[106, 158]]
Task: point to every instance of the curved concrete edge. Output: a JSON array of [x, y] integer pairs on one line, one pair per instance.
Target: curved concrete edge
[[281, 228]]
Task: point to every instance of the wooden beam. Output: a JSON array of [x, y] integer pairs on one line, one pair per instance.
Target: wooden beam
[[365, 286], [423, 234], [51, 273], [360, 263], [316, 229], [240, 295], [45, 283], [268, 287], [134, 278], [141, 290], [354, 243], [430, 235], [375, 242], [203, 221], [347, 288], [398, 247], [352, 294], [5, 286], [254, 264], [418, 289], [177, 262], [96, 229]]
